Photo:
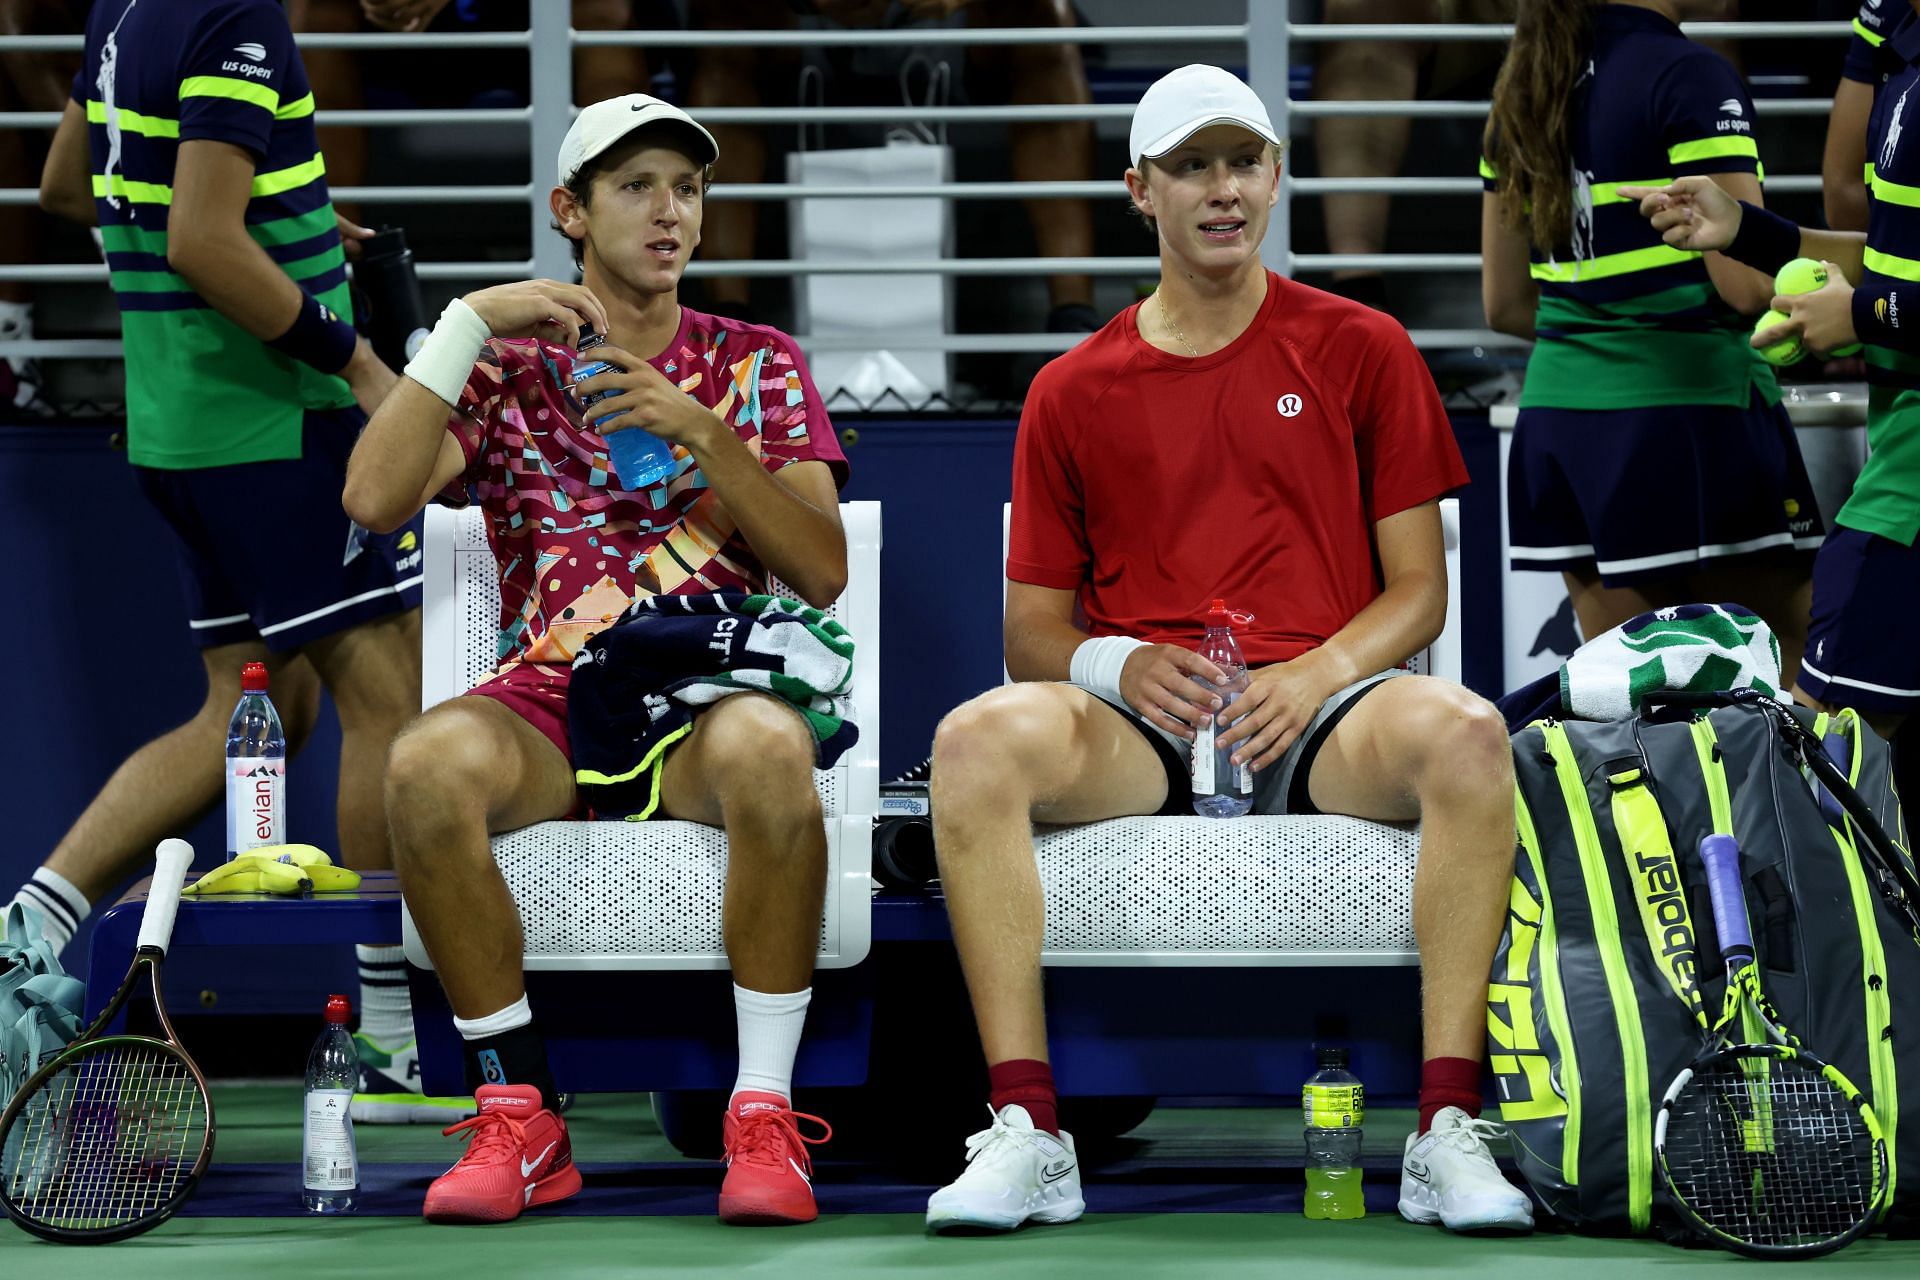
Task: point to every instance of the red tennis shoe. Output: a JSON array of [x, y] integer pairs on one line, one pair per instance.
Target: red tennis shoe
[[518, 1157], [769, 1179]]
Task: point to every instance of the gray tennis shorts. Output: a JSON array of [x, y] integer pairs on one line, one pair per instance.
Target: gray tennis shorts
[[1281, 787]]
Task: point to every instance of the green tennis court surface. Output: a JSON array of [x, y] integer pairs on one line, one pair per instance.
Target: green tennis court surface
[[651, 1213]]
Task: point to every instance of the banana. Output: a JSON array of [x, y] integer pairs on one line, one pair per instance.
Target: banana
[[232, 880], [215, 881], [328, 879], [299, 855], [283, 878]]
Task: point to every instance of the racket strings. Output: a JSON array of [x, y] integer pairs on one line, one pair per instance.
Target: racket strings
[[108, 1140], [1772, 1152]]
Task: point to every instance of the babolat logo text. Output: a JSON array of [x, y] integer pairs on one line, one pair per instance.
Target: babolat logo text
[[1663, 909]]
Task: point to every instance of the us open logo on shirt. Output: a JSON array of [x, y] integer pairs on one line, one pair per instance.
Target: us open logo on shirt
[[1289, 405]]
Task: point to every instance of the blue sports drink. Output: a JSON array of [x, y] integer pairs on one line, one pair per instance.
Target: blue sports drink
[[639, 457]]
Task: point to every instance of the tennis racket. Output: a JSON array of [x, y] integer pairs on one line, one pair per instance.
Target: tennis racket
[[1765, 1149], [109, 1138]]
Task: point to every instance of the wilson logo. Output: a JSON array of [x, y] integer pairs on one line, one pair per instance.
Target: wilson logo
[[1669, 925]]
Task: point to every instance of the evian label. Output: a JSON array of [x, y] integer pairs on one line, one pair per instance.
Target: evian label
[[256, 803]]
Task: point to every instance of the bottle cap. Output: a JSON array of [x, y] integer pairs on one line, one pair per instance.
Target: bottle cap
[[1219, 615], [253, 678], [1334, 1057], [589, 340], [339, 1009]]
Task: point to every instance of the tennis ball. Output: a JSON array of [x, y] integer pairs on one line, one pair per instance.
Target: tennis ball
[[1802, 275], [1788, 350]]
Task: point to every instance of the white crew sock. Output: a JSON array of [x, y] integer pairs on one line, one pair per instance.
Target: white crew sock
[[61, 906], [770, 1028], [517, 1014], [386, 1006]]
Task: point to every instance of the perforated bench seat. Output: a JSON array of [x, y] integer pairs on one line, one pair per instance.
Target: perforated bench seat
[[647, 895], [1256, 890]]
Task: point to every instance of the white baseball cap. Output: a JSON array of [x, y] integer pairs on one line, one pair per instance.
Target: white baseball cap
[[604, 123], [1183, 102]]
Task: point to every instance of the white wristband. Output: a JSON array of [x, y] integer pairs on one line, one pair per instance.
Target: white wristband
[[446, 357], [1097, 662]]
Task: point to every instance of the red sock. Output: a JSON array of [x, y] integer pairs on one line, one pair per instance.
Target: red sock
[[1448, 1082], [1029, 1083]]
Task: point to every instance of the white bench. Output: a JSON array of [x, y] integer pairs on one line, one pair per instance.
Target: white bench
[[647, 895], [1327, 891]]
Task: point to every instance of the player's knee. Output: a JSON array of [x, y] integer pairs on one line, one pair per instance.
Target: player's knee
[[437, 768], [1465, 752], [758, 745], [978, 746]]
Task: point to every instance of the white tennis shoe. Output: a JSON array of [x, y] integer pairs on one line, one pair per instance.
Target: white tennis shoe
[[1448, 1176], [1015, 1173]]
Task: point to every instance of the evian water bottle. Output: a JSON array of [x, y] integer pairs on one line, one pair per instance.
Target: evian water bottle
[[329, 1162], [256, 768], [1221, 788]]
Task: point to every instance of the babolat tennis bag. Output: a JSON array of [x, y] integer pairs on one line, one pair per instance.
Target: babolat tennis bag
[[1610, 949]]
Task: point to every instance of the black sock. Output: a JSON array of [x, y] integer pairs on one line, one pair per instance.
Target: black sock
[[518, 1056]]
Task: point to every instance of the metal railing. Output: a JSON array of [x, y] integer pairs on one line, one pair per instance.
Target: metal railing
[[549, 41]]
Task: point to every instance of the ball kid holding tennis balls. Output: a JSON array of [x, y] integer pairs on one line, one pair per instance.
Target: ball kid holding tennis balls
[[1869, 560]]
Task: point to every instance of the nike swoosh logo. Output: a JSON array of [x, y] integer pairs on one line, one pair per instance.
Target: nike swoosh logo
[[1053, 1173], [802, 1172], [1418, 1172], [528, 1166]]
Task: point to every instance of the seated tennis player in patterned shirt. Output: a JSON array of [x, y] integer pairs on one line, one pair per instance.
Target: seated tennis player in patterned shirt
[[484, 416], [1242, 436]]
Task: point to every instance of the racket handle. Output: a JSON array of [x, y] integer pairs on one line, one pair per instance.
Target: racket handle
[[1722, 856], [163, 897]]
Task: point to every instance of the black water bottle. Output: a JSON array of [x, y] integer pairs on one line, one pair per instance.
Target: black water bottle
[[391, 313]]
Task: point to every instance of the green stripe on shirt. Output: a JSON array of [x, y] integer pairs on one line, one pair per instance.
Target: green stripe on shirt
[[133, 121], [1713, 148], [282, 180], [229, 87], [1865, 33], [1487, 171], [303, 226], [1611, 264], [1889, 192], [1888, 264], [136, 192], [294, 110]]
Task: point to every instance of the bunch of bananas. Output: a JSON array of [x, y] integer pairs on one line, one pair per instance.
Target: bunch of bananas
[[287, 869]]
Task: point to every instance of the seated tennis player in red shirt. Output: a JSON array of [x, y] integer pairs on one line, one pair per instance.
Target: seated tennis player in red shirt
[[1244, 437]]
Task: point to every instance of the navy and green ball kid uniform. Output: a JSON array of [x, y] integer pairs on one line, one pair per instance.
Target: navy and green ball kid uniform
[[1861, 649], [1650, 436], [242, 449]]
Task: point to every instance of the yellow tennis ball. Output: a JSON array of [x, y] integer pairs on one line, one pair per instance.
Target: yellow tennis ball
[[1802, 275], [1786, 351]]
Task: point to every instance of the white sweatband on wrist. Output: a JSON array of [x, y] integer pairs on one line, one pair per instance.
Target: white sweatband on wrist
[[446, 358], [1097, 662]]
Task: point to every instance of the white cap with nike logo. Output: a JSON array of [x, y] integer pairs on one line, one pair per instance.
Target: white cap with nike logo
[[604, 123]]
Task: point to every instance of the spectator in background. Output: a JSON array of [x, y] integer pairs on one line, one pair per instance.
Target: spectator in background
[[28, 82], [340, 75], [1652, 462], [1375, 146], [1026, 73]]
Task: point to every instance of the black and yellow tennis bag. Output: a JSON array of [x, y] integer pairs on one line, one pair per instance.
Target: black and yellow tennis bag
[[1609, 941]]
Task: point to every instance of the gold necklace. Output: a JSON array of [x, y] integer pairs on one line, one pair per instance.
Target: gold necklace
[[1174, 324]]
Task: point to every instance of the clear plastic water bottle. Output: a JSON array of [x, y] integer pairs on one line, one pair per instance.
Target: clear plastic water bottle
[[1221, 788], [1333, 1107], [256, 768], [330, 1166], [639, 457]]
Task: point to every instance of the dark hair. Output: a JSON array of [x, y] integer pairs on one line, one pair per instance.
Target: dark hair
[[1277, 152], [581, 188], [1528, 137]]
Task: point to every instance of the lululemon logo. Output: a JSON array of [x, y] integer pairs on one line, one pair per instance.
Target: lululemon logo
[[1289, 405]]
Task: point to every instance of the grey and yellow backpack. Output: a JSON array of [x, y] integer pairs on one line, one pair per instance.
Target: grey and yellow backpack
[[1609, 938]]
